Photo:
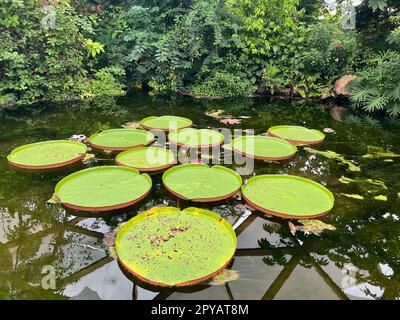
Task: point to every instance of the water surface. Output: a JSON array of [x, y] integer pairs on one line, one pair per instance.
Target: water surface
[[359, 260]]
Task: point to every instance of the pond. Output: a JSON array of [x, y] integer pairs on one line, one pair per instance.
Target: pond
[[360, 259]]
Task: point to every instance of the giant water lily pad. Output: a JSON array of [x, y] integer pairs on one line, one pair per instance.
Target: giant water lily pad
[[168, 247], [200, 183], [103, 188], [47, 155], [120, 139], [196, 138], [165, 123], [147, 158], [297, 135], [264, 148], [288, 196]]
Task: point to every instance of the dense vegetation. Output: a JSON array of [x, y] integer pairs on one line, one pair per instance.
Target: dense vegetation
[[57, 50]]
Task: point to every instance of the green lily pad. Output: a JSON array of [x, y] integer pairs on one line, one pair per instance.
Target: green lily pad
[[264, 148], [103, 188], [147, 158], [297, 135], [166, 123], [120, 139], [196, 138], [168, 247], [288, 196], [200, 183], [47, 155]]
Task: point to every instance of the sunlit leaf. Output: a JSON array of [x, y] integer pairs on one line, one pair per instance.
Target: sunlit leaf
[[315, 226], [225, 276], [354, 196]]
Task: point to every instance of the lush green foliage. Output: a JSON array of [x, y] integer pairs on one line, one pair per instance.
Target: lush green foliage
[[377, 86], [45, 59]]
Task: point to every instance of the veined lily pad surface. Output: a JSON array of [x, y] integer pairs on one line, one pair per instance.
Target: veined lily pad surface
[[196, 138], [120, 139], [264, 148], [200, 183], [168, 247], [147, 158], [288, 196], [297, 135], [165, 123], [103, 188], [47, 154]]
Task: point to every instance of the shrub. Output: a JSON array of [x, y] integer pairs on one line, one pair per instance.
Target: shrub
[[224, 84], [377, 87]]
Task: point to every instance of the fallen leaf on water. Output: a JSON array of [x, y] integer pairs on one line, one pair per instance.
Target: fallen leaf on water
[[328, 130], [380, 198], [354, 196], [227, 146], [109, 240], [378, 183], [315, 226], [378, 152], [214, 113], [54, 199], [89, 157], [230, 121], [292, 227], [131, 125], [223, 277]]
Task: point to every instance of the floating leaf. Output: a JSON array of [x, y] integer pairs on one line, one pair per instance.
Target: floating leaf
[[214, 113], [354, 196], [352, 166], [264, 148], [304, 197], [169, 247], [292, 227], [165, 123], [54, 199], [297, 135], [198, 182], [227, 146], [378, 152], [223, 277], [315, 226], [329, 130], [89, 157], [132, 125], [196, 138], [381, 198], [147, 159], [120, 139], [378, 183], [47, 155], [103, 188]]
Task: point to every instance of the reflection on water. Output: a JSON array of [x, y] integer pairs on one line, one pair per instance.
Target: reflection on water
[[359, 260]]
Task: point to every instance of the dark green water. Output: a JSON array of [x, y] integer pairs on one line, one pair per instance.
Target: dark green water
[[358, 260]]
